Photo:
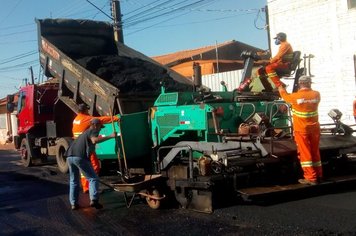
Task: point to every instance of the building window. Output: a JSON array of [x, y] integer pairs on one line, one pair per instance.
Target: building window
[[351, 4]]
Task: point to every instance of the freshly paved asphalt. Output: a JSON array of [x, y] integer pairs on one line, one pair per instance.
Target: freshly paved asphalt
[[34, 201]]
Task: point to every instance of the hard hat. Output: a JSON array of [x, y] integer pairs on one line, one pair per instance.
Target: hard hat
[[304, 79], [281, 36]]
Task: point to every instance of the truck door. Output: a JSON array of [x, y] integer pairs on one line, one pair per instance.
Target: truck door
[[25, 112]]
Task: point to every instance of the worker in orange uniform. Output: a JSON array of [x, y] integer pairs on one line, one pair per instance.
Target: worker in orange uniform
[[306, 127], [81, 123], [281, 61]]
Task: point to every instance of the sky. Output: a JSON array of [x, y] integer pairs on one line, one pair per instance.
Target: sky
[[153, 27]]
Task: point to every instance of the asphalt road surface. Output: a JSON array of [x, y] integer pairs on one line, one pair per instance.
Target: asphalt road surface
[[34, 201]]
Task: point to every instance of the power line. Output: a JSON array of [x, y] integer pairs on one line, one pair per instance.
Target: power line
[[197, 22], [204, 10], [192, 7], [20, 41], [164, 13], [17, 57], [157, 23], [157, 9], [18, 66], [151, 15], [69, 9], [99, 9], [184, 8], [11, 11], [145, 12], [15, 33], [15, 26], [258, 16], [142, 6]]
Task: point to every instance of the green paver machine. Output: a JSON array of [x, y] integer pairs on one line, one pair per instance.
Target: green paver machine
[[203, 142], [203, 148]]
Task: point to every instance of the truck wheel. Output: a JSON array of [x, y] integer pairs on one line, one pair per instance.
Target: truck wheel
[[25, 155], [62, 146]]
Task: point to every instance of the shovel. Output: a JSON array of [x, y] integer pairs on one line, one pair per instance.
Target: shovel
[[127, 174], [117, 150]]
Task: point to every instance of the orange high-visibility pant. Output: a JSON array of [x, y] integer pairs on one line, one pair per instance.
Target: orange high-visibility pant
[[96, 166], [309, 154], [270, 70]]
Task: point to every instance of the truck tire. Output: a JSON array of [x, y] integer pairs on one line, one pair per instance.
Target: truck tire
[[25, 154], [62, 146]]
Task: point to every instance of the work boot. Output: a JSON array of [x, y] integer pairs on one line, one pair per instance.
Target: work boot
[[307, 182], [96, 204]]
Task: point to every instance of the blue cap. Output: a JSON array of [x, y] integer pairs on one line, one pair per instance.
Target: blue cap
[[96, 121]]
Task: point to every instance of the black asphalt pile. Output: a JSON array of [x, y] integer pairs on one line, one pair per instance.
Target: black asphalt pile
[[131, 75]]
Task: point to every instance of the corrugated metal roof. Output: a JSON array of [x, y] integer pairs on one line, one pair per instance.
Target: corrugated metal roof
[[232, 80]]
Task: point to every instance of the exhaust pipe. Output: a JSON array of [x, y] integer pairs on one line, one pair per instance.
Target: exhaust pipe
[[197, 76]]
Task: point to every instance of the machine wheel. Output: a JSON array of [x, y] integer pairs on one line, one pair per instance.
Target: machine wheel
[[25, 155], [62, 146], [153, 203]]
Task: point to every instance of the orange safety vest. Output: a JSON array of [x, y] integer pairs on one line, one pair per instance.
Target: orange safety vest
[[305, 104], [82, 122], [285, 53]]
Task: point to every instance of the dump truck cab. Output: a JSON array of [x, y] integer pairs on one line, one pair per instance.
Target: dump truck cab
[[35, 107]]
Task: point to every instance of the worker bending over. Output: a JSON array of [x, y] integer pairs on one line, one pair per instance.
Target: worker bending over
[[81, 123], [78, 161]]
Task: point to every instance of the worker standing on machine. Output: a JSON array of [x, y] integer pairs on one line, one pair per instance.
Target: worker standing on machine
[[306, 127], [81, 123], [281, 61]]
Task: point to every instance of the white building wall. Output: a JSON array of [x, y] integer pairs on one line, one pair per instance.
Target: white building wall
[[14, 123], [326, 29], [231, 78], [3, 128]]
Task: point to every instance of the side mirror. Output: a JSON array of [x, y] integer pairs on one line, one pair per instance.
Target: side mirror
[[10, 98], [10, 107]]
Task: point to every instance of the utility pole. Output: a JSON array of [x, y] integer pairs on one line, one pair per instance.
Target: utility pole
[[116, 14], [268, 29]]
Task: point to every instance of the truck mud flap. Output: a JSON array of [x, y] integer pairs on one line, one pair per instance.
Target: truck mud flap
[[35, 156]]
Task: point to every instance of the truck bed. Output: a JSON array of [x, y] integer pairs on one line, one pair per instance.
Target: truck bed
[[84, 57]]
